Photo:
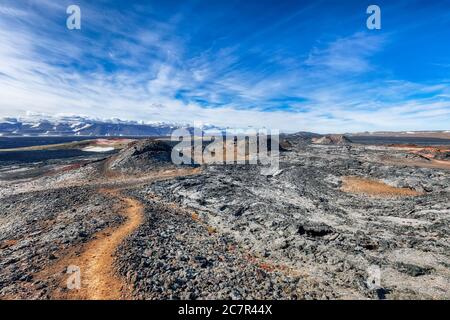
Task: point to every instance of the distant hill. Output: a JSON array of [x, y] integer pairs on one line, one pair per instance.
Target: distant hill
[[141, 155], [304, 135], [438, 134], [333, 139]]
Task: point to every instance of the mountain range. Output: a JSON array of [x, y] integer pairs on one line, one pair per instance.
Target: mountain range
[[36, 125]]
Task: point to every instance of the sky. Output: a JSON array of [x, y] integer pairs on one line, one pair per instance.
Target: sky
[[287, 65]]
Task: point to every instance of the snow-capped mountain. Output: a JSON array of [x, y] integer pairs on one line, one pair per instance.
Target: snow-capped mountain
[[36, 125]]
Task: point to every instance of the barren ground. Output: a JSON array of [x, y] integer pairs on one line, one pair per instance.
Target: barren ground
[[310, 230]]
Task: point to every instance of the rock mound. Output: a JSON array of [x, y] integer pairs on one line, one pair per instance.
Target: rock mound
[[304, 134], [142, 155], [334, 139], [299, 139]]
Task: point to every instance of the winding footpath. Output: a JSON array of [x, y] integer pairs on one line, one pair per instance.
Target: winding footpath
[[95, 259], [99, 281]]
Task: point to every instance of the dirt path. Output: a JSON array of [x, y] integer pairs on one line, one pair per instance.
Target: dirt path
[[99, 281], [95, 259]]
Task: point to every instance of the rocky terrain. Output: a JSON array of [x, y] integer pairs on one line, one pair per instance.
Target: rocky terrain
[[311, 230], [39, 227]]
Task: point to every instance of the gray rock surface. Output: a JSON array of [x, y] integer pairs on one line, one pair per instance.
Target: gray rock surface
[[37, 227], [233, 232]]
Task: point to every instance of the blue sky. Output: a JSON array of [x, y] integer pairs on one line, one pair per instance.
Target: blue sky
[[289, 65]]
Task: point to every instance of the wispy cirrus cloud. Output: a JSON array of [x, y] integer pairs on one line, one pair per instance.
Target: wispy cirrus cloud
[[349, 54], [135, 63]]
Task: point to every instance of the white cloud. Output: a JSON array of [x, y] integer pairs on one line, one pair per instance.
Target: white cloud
[[12, 12], [347, 55], [34, 77]]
